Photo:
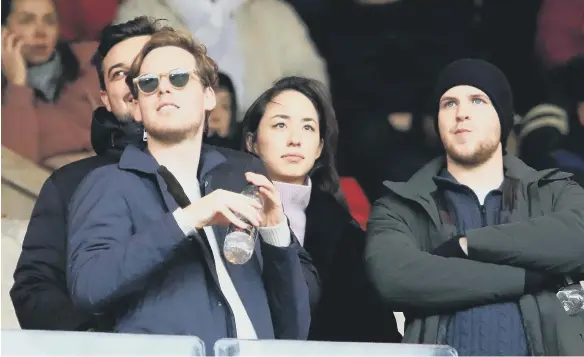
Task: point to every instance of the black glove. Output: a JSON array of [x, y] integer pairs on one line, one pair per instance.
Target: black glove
[[450, 249], [536, 282]]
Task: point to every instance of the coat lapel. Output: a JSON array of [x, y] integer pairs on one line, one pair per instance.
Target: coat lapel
[[143, 164]]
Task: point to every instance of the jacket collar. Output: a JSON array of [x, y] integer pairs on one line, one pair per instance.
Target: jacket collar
[[420, 187], [109, 136], [422, 183], [134, 159]]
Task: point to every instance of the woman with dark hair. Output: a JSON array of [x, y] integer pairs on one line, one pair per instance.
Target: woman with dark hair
[[49, 89], [222, 126], [293, 129]]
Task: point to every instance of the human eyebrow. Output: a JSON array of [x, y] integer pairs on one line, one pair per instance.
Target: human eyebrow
[[114, 67], [445, 100], [479, 96], [280, 116]]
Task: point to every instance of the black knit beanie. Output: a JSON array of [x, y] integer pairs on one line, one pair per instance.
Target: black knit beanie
[[484, 76]]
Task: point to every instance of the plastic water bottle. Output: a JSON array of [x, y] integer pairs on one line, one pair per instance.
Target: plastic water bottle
[[572, 296], [240, 243]]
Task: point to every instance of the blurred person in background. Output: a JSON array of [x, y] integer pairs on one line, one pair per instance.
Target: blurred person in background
[[560, 31], [39, 293], [223, 129], [293, 129], [255, 42], [82, 20], [49, 89], [380, 67], [570, 155], [552, 133], [382, 70]]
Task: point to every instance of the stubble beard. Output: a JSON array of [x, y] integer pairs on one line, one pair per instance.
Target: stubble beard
[[483, 153], [172, 136]]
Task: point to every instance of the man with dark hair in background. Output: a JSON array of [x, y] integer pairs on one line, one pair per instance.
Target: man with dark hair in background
[[39, 294]]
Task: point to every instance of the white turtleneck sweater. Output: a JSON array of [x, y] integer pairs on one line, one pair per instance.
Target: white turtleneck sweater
[[295, 199]]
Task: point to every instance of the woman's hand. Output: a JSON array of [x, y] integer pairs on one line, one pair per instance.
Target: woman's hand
[[13, 64]]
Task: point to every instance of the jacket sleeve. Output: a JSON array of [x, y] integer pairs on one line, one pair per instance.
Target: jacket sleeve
[[287, 291], [290, 280], [39, 293], [39, 132], [552, 243], [408, 278], [311, 276], [109, 257]]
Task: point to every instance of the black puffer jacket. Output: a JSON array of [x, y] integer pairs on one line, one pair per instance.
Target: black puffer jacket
[[39, 293]]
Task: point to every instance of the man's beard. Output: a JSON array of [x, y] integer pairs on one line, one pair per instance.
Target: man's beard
[[484, 151], [171, 136]]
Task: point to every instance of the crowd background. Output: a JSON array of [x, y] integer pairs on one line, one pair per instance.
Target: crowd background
[[378, 58]]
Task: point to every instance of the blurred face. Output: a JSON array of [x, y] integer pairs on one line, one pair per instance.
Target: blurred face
[[117, 97], [36, 23], [288, 138], [171, 114], [469, 126], [220, 117]]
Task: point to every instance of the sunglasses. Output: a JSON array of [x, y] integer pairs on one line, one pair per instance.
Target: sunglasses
[[148, 83]]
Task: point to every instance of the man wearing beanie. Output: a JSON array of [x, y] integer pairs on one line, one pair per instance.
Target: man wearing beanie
[[475, 246]]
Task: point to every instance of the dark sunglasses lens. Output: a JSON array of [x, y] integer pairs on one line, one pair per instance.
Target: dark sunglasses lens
[[148, 83], [179, 78]]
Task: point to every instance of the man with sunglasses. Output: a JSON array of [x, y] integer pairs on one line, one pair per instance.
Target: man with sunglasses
[[149, 231], [39, 294]]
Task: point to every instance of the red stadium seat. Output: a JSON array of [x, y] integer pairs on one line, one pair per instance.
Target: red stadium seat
[[359, 205]]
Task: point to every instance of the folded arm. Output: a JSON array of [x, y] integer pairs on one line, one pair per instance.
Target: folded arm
[[553, 243], [410, 279]]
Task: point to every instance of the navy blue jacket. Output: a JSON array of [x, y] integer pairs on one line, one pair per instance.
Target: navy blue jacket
[[129, 258]]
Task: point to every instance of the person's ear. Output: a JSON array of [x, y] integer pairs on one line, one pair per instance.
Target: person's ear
[[249, 144], [135, 110], [210, 100], [105, 100]]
